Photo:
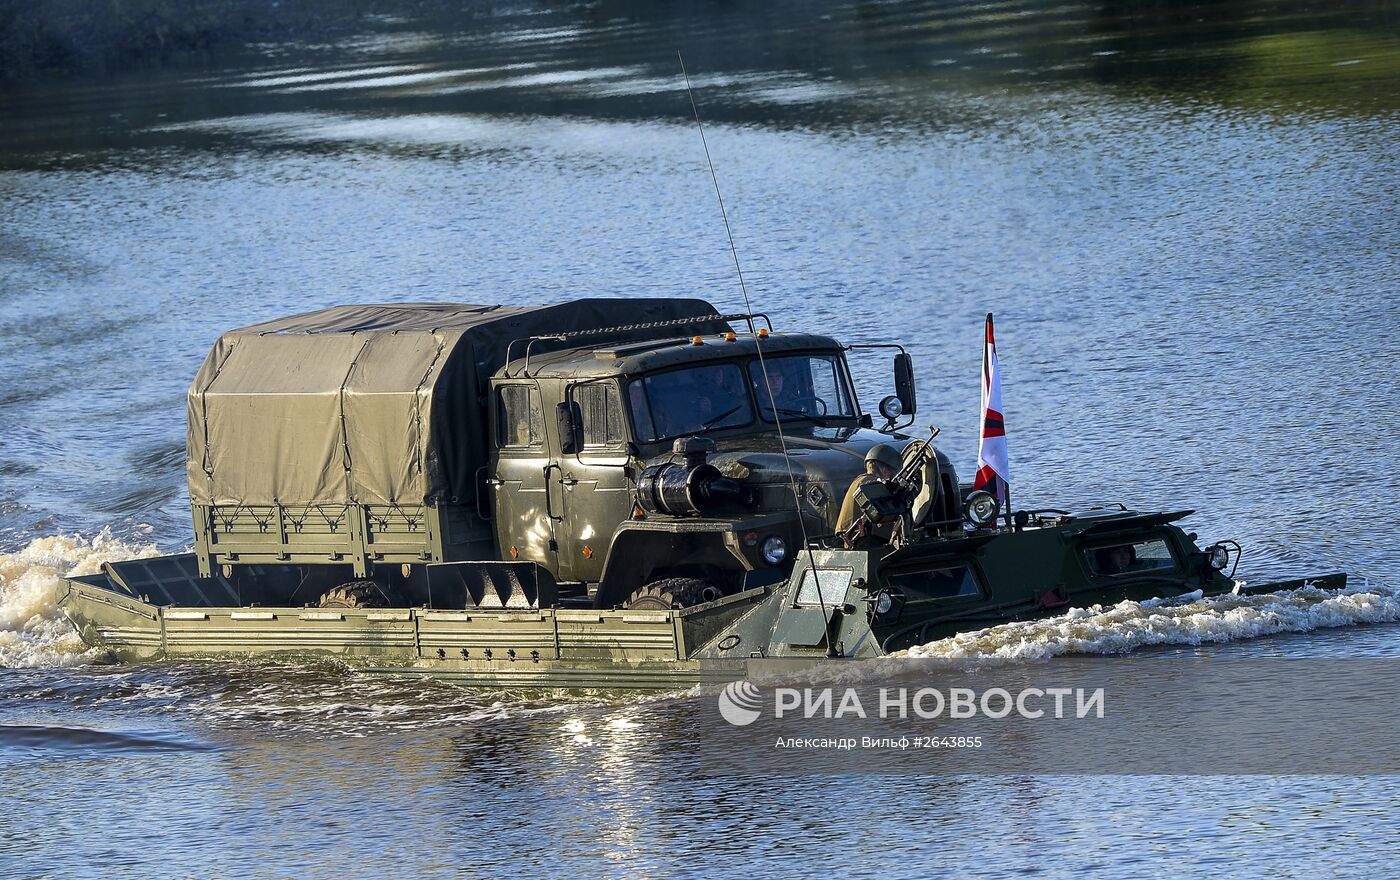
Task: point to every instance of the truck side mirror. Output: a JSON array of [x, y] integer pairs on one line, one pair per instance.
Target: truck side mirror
[[570, 421], [904, 383]]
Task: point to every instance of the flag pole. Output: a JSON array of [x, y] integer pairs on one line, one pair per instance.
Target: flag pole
[[989, 333], [993, 467]]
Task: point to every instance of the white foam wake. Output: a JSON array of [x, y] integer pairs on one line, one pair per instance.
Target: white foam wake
[[1129, 625], [33, 631]]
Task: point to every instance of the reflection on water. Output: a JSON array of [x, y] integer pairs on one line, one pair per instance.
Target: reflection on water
[[602, 788], [1183, 214], [791, 65]]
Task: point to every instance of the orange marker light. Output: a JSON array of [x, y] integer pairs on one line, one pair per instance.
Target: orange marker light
[[696, 340], [514, 553], [762, 332], [750, 538], [587, 552], [731, 336]]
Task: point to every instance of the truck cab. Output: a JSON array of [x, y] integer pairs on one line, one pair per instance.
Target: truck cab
[[581, 432]]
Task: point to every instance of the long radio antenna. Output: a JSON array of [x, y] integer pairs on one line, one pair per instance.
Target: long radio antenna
[[714, 178], [762, 362]]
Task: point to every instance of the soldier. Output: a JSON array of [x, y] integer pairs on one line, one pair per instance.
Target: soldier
[[782, 394], [1116, 560], [882, 462]]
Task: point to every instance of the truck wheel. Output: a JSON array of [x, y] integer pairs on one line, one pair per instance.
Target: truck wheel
[[672, 593], [356, 594]]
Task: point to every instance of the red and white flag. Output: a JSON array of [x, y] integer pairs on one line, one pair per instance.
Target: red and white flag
[[993, 463]]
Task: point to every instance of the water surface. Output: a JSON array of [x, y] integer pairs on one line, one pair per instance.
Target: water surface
[[1184, 217]]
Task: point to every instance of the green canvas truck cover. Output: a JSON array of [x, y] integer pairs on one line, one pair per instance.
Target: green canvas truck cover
[[376, 404]]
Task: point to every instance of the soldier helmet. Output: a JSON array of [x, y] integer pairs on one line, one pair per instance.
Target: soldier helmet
[[886, 455]]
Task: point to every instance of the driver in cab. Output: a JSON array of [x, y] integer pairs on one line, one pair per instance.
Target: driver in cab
[[781, 395]]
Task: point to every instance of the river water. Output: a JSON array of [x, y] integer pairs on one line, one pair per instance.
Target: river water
[[1184, 218]]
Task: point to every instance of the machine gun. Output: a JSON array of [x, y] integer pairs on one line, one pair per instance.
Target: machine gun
[[881, 501]]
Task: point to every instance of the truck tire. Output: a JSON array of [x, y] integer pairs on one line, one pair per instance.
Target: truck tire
[[671, 593], [356, 594]]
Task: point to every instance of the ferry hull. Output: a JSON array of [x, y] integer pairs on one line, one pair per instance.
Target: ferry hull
[[804, 621]]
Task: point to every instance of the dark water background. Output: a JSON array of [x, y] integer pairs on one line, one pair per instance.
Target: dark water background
[[1184, 216]]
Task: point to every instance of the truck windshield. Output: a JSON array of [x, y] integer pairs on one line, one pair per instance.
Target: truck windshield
[[803, 386], [689, 401]]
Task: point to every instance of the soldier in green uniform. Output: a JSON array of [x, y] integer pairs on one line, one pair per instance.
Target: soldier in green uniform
[[882, 462]]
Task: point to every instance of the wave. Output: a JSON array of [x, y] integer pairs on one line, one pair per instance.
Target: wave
[[35, 634], [1130, 625], [87, 740], [33, 631]]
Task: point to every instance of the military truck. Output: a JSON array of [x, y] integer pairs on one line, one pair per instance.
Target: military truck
[[618, 450], [600, 493]]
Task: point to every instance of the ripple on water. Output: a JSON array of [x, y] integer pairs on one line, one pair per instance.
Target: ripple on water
[[89, 741]]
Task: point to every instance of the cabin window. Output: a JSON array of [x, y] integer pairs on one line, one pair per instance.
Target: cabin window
[[518, 419], [935, 583], [826, 587], [602, 416], [1130, 557]]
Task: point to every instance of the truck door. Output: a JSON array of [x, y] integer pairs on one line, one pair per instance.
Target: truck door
[[592, 485], [524, 530]]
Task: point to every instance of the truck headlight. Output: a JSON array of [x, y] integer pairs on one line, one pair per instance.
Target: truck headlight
[[883, 603], [1218, 556], [774, 550]]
